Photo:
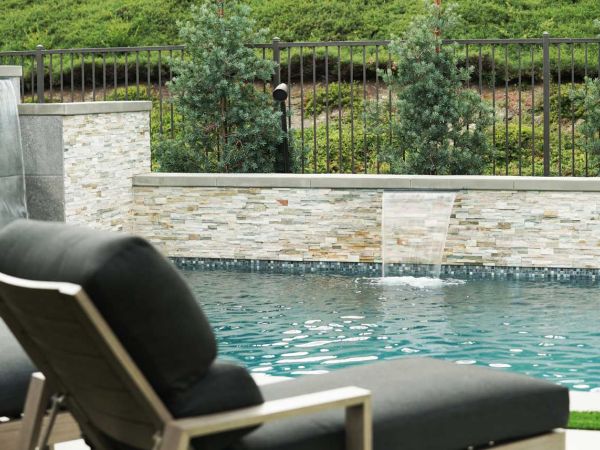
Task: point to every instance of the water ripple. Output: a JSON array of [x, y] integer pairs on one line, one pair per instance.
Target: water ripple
[[295, 325]]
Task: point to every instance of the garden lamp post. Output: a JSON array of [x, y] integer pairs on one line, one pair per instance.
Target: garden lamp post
[[283, 164]]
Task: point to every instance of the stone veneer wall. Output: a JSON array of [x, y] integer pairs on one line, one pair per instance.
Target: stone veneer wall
[[525, 229], [102, 153], [80, 159], [254, 223], [488, 226]]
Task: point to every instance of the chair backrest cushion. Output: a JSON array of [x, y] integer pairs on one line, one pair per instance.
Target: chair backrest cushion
[[139, 293], [15, 372]]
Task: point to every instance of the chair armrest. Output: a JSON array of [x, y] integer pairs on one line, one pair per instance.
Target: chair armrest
[[356, 401]]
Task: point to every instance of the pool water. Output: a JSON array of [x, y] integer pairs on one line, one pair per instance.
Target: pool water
[[292, 325]]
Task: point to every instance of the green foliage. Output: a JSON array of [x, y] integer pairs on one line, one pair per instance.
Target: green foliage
[[229, 125], [348, 149], [338, 94], [570, 103], [523, 152], [162, 139], [175, 155], [517, 148], [591, 125], [440, 126], [89, 23], [92, 23], [132, 93]]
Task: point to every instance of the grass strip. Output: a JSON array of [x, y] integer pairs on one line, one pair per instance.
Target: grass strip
[[585, 420]]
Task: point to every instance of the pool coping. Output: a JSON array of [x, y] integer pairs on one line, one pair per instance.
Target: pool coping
[[363, 181]]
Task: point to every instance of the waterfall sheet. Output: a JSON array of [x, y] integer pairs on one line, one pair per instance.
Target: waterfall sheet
[[13, 203]]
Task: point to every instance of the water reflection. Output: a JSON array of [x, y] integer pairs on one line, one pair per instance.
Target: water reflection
[[298, 324]]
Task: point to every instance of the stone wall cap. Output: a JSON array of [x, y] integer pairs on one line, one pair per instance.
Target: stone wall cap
[[334, 181], [83, 108], [11, 71]]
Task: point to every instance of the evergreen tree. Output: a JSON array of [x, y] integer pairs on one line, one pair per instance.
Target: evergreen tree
[[228, 124], [591, 124], [439, 125]]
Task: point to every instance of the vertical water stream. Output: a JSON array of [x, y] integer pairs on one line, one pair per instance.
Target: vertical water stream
[[414, 228], [13, 203]]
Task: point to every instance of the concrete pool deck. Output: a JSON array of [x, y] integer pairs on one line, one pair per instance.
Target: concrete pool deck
[[575, 440], [585, 401]]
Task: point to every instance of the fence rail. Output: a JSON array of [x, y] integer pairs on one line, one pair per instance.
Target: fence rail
[[529, 83]]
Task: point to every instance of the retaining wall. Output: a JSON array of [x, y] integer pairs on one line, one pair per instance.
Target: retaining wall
[[494, 221]]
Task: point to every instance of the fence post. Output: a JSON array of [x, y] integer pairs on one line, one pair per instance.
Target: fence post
[[39, 63], [277, 60], [546, 49]]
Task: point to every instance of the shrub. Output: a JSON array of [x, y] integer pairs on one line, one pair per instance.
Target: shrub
[[229, 125], [338, 93], [440, 125], [160, 139], [357, 149], [565, 158], [571, 101], [517, 150], [591, 125]]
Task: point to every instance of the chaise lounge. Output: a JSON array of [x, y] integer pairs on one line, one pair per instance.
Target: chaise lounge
[[118, 334], [15, 374]]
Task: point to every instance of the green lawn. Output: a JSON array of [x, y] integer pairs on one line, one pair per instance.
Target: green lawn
[[584, 421]]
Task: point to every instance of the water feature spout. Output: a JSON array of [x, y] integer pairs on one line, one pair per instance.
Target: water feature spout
[[414, 228], [13, 203]]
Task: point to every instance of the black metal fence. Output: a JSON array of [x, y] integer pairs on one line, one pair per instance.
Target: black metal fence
[[334, 87]]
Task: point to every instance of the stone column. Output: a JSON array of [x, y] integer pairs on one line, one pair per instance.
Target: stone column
[[80, 159]]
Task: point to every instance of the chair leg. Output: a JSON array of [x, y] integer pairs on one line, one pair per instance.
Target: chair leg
[[174, 438], [33, 414], [359, 427]]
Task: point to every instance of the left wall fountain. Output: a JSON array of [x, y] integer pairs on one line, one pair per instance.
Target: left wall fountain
[[13, 203]]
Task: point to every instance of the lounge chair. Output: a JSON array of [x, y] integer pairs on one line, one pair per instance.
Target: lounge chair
[[16, 372], [118, 333]]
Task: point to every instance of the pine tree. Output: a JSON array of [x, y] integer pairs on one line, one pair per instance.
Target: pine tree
[[591, 124], [229, 125], [439, 125]]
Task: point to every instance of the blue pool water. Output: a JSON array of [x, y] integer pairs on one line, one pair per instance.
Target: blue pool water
[[294, 325]]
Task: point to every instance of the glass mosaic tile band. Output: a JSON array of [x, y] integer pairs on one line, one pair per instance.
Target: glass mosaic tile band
[[374, 269]]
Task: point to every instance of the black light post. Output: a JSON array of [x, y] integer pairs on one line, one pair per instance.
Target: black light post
[[283, 164]]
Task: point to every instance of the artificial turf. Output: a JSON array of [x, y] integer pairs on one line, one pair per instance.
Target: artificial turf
[[584, 420]]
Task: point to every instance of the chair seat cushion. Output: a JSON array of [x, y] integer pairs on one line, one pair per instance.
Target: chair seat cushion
[[420, 403], [225, 387], [15, 372]]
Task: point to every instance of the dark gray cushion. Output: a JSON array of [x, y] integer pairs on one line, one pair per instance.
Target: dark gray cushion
[[15, 372], [421, 404], [139, 293], [226, 386], [147, 304]]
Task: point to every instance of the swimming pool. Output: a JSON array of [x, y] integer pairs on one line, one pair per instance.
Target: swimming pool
[[294, 325]]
